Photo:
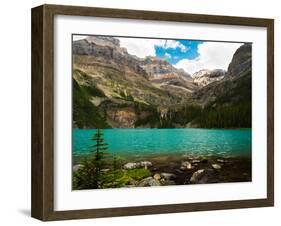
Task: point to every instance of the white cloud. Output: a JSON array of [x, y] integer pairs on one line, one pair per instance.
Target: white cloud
[[167, 55], [172, 44], [139, 47], [212, 55], [146, 47]]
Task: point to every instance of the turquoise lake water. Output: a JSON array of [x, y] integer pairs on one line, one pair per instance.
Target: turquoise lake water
[[194, 142]]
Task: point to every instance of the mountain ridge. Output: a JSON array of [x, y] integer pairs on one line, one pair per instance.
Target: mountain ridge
[[127, 92]]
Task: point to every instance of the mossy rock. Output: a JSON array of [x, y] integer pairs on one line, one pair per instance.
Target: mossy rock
[[122, 178]]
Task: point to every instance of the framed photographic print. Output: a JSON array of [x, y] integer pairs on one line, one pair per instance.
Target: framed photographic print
[[141, 112]]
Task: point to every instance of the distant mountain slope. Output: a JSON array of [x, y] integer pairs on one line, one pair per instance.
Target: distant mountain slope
[[205, 77], [112, 88]]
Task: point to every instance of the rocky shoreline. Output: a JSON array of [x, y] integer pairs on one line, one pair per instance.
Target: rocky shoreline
[[167, 170]]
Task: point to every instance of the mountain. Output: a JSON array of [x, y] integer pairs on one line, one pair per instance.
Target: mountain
[[241, 61], [121, 88], [239, 69], [106, 50], [227, 102], [205, 77], [114, 89]]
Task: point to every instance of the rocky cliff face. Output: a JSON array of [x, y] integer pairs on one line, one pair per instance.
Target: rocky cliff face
[[106, 50], [167, 77], [104, 41], [158, 69], [122, 117], [205, 77], [241, 62]]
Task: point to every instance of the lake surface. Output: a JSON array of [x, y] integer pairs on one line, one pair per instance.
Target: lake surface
[[193, 142]]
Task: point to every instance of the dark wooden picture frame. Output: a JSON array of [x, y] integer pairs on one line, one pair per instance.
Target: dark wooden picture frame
[[43, 112]]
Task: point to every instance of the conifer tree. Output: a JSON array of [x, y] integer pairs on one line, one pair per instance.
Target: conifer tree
[[89, 176], [99, 147]]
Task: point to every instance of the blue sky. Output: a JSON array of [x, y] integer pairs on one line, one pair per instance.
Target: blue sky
[[174, 55]]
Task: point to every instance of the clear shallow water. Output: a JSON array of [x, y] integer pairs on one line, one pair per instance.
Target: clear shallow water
[[196, 142]]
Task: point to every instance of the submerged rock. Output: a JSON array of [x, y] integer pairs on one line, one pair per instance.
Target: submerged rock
[[221, 161], [168, 176], [195, 161], [204, 176], [148, 182]]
